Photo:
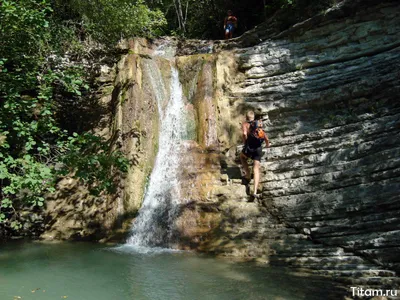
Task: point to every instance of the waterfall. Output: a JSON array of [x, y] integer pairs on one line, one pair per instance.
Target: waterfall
[[154, 226]]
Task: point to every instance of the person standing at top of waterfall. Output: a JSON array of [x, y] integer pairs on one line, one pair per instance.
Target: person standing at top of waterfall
[[253, 137], [230, 23]]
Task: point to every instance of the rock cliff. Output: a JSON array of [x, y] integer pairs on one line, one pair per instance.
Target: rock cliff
[[328, 89]]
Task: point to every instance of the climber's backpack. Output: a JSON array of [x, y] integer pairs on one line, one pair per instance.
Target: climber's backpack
[[257, 133]]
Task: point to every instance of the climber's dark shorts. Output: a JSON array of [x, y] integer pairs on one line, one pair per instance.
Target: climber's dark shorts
[[229, 27], [254, 154]]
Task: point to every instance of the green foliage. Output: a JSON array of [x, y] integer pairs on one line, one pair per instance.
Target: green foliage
[[90, 159], [24, 26], [110, 20], [25, 108], [27, 179], [32, 139], [65, 38]]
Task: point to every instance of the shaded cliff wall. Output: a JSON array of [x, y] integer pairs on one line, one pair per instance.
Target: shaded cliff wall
[[128, 94], [331, 95], [328, 90]]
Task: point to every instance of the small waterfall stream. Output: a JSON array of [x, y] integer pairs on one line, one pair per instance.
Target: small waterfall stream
[[154, 225]]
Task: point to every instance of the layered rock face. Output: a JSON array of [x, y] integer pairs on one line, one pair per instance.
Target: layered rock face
[[328, 89]]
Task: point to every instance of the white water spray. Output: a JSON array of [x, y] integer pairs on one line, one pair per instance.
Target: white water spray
[[154, 226]]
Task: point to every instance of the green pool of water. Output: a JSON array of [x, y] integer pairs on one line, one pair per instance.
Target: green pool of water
[[82, 271]]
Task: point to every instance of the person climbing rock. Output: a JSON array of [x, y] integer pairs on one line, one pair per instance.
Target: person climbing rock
[[253, 137], [230, 23]]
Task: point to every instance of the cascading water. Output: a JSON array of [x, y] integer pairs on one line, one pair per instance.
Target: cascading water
[[154, 226]]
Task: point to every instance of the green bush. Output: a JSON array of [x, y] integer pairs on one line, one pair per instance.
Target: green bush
[[111, 20], [32, 140], [90, 159]]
